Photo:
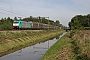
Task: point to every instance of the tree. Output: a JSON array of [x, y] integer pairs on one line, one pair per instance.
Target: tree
[[57, 23], [8, 18], [15, 18], [6, 24], [31, 18], [80, 22]]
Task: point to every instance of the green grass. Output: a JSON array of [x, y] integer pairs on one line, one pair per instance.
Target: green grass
[[54, 52], [10, 35], [19, 40], [75, 45]]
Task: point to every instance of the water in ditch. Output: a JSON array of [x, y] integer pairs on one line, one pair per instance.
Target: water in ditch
[[34, 52]]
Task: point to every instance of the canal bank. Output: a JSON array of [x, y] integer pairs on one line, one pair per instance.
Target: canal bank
[[75, 45], [10, 45], [60, 50], [34, 52]]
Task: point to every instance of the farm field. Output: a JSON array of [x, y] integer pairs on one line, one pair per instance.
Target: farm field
[[75, 45]]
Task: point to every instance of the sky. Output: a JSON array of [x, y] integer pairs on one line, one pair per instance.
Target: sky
[[62, 10]]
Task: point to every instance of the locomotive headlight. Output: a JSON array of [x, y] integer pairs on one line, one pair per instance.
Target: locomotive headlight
[[15, 24]]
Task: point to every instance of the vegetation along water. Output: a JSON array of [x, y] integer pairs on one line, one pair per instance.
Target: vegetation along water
[[75, 45], [15, 40]]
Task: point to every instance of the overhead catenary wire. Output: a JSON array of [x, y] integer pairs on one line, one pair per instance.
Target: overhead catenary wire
[[7, 8], [11, 7], [6, 14], [10, 12]]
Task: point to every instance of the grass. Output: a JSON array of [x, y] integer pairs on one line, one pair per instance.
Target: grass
[[10, 35], [75, 45], [59, 50], [81, 45], [18, 40]]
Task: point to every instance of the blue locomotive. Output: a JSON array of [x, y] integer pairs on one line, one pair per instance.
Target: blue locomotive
[[19, 24]]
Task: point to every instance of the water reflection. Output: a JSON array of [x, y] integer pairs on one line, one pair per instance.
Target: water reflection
[[34, 52]]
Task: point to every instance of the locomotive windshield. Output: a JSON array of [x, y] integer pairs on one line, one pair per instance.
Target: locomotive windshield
[[15, 22]]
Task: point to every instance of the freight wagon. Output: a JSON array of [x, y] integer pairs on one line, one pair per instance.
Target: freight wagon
[[18, 24]]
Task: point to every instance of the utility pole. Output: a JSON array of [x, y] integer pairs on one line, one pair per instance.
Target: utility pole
[[19, 18], [42, 18]]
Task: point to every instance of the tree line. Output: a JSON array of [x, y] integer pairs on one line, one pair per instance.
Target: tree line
[[7, 23], [80, 22], [42, 20]]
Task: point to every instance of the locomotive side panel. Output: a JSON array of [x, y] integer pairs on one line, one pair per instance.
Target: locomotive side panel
[[25, 24]]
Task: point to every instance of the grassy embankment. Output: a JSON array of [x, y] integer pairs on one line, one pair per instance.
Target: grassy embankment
[[75, 45], [11, 41]]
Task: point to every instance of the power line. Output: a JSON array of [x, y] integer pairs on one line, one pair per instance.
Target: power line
[[10, 12], [5, 13], [11, 7]]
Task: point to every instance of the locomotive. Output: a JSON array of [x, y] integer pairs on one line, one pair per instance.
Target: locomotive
[[19, 24]]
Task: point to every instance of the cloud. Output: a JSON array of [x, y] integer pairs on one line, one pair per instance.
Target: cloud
[[83, 4], [62, 10]]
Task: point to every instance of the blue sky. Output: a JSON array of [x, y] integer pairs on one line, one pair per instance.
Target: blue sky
[[62, 10]]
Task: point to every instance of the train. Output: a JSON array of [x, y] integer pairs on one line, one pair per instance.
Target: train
[[19, 24]]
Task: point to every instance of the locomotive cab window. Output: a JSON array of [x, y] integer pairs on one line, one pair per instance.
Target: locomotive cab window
[[15, 22]]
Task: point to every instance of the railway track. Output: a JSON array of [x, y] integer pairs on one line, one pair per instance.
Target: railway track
[[17, 30]]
